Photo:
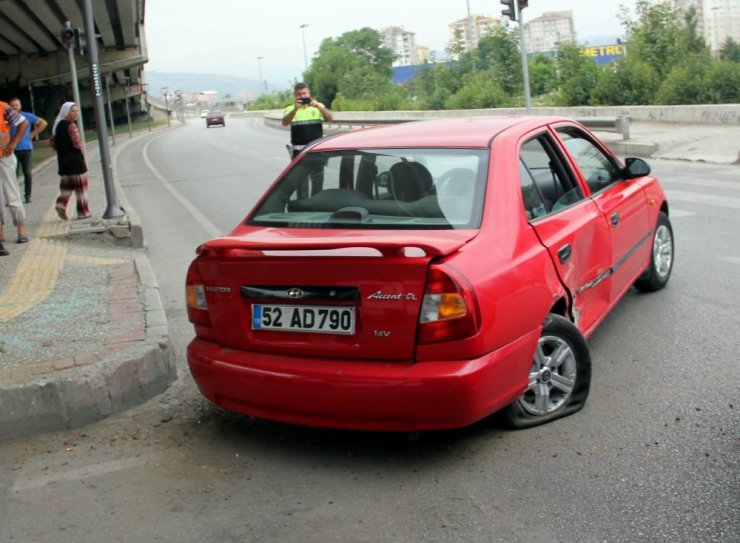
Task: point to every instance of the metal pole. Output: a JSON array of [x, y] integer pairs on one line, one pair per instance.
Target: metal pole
[[128, 113], [468, 30], [75, 87], [110, 110], [146, 104], [113, 210], [303, 33], [523, 50], [259, 64], [165, 90], [30, 91]]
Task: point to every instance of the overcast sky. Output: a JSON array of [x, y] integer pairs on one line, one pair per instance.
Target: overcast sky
[[227, 36]]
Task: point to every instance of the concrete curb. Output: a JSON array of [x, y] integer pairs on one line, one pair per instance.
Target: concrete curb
[[78, 396]]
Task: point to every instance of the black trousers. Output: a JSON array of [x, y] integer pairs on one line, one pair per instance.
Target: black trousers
[[24, 163]]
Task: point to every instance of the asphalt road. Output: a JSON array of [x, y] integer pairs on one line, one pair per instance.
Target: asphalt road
[[654, 455]]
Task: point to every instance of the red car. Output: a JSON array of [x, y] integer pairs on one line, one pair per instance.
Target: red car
[[426, 275], [215, 117]]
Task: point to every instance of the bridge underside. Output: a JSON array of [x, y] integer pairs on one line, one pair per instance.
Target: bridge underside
[[33, 57]]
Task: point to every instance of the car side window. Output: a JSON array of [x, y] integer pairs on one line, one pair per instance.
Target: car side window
[[598, 169], [551, 179], [534, 204]]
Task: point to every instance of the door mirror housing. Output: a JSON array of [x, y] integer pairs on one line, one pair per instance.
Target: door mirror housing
[[636, 167]]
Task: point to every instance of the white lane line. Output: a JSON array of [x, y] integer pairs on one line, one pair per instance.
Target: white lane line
[[700, 198], [84, 472], [678, 213], [207, 225]]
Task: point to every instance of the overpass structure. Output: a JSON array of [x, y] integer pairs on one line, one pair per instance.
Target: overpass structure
[[35, 63]]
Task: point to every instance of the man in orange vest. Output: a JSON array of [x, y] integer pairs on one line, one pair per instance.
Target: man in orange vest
[[8, 179]]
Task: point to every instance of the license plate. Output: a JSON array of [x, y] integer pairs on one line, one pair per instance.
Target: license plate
[[304, 318]]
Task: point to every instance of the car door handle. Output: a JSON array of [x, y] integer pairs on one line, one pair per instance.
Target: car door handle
[[615, 219], [564, 253]]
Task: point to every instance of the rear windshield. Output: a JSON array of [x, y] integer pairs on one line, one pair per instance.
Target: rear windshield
[[379, 189]]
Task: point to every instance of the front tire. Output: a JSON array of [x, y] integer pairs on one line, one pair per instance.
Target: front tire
[[661, 257], [559, 378]]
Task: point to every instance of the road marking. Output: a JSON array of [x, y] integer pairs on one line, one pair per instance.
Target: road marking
[[207, 225], [84, 472], [701, 198], [36, 275], [678, 213]]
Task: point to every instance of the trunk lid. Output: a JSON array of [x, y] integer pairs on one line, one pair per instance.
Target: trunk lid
[[350, 295]]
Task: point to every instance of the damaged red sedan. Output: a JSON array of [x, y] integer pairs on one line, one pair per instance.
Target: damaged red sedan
[[426, 275]]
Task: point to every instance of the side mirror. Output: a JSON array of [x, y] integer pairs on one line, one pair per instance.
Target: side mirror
[[636, 167]]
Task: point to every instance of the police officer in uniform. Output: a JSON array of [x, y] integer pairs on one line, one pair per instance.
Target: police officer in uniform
[[305, 117]]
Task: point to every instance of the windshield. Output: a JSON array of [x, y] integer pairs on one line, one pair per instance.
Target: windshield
[[388, 188]]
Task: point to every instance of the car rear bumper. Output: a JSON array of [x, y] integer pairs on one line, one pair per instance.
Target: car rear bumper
[[362, 395]]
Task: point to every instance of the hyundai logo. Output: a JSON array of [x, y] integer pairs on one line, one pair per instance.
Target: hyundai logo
[[295, 293]]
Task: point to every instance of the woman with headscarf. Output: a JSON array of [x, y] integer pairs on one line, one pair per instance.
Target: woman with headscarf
[[66, 141]]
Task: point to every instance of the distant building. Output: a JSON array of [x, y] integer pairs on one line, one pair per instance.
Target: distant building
[[402, 43], [542, 34], [469, 32], [716, 20], [423, 55]]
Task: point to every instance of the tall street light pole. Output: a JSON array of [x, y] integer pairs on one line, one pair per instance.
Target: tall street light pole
[[113, 210], [165, 90], [303, 34], [468, 30], [259, 65]]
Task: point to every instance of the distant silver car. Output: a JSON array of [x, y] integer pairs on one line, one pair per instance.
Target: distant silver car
[[203, 113]]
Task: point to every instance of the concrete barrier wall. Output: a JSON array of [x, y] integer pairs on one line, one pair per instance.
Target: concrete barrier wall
[[723, 114]]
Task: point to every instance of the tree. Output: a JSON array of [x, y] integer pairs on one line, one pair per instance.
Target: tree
[[628, 82], [543, 74], [355, 64], [577, 76], [724, 82], [686, 84], [480, 91], [499, 53], [661, 37], [730, 50]]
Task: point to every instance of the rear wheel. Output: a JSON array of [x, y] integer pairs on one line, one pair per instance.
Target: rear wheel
[[661, 258], [559, 378]]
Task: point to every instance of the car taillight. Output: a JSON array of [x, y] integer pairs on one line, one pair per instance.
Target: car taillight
[[195, 295], [447, 309]]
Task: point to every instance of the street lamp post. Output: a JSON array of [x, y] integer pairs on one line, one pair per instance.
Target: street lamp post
[[259, 64], [165, 90], [110, 110], [128, 112], [145, 86], [113, 210], [303, 34], [468, 30]]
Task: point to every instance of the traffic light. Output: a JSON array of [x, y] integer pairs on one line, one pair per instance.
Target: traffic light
[[69, 36], [509, 11]]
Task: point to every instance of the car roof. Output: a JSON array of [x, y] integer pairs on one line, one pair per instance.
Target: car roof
[[449, 132]]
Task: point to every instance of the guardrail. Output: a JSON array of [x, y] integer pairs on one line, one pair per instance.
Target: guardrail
[[619, 124]]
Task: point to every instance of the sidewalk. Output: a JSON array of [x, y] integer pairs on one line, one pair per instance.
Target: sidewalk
[[83, 334]]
